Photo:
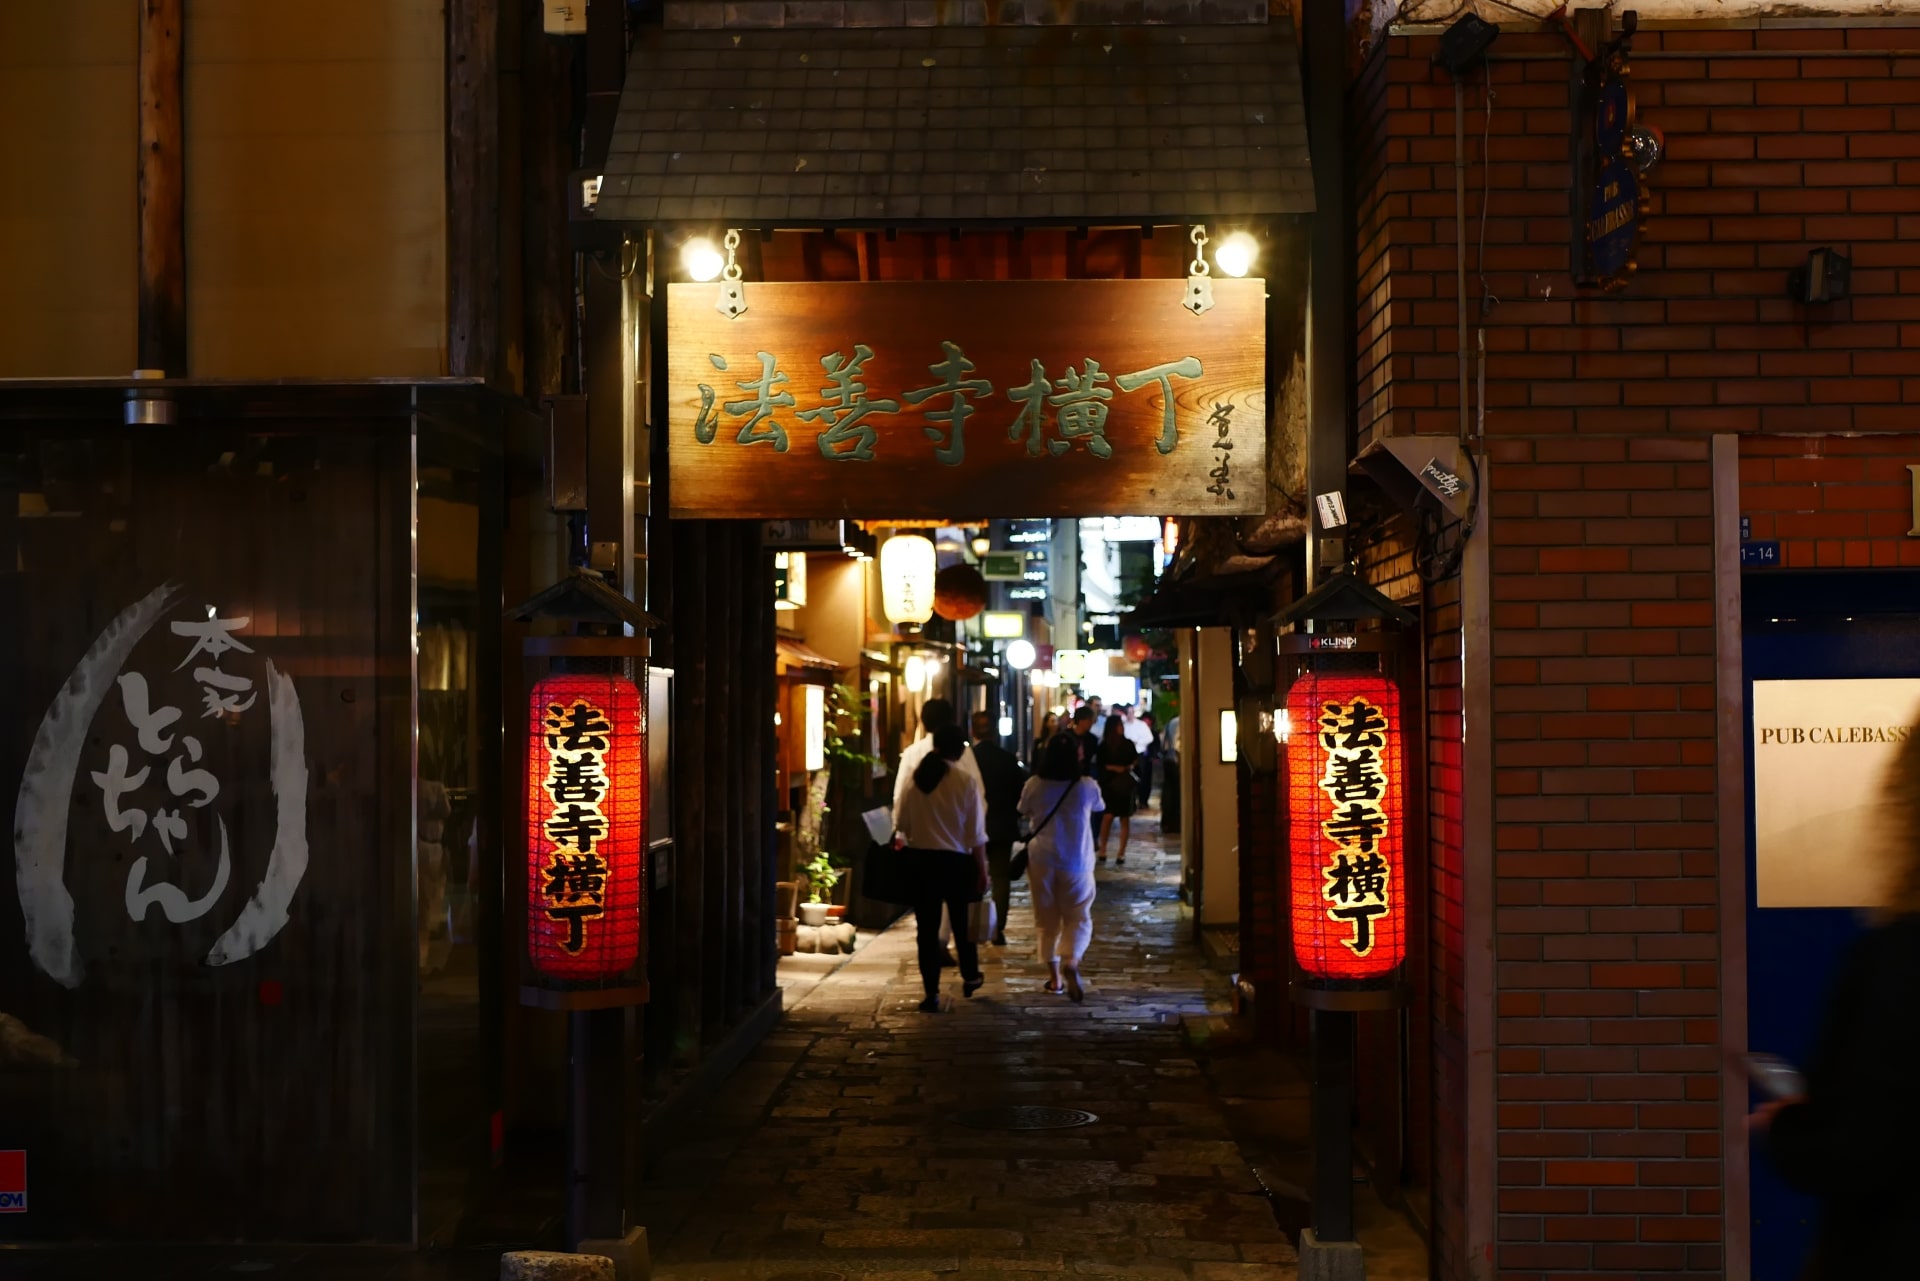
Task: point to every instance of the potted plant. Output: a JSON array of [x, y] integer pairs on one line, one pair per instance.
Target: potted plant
[[822, 876]]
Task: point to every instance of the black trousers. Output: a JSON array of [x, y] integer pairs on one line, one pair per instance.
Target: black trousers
[[949, 881]]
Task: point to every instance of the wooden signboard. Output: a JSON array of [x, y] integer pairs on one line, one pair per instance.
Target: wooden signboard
[[967, 399]]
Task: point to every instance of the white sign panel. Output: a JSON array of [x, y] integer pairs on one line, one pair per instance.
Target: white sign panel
[[1821, 751]]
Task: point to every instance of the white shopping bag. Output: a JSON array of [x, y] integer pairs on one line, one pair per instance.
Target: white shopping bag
[[981, 921]]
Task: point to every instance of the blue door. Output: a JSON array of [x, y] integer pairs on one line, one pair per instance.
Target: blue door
[[1833, 626]]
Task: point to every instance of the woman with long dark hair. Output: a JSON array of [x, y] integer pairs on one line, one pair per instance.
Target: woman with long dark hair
[[1058, 803], [943, 822], [1115, 759]]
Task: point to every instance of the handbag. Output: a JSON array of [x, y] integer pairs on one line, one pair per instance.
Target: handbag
[[1017, 865], [889, 874], [981, 924]]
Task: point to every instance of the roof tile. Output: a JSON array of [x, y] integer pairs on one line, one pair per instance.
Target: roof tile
[[777, 124]]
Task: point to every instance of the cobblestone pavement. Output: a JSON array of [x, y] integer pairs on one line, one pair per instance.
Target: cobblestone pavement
[[835, 1150]]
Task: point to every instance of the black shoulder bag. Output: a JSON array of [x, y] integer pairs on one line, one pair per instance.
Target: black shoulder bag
[[1017, 865]]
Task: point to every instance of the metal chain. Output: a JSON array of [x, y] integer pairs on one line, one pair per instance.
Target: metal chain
[[732, 270], [1199, 265]]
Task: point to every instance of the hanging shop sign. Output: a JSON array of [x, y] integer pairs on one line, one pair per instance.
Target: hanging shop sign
[[1822, 753], [993, 398], [586, 825], [1617, 198], [1346, 800]]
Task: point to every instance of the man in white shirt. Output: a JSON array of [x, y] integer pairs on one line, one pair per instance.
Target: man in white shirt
[[1136, 729]]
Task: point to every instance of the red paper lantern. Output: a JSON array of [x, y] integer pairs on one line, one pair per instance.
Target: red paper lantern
[[586, 825], [1346, 798]]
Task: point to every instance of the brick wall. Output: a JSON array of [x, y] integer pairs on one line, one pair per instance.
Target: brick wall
[[1833, 502], [1598, 412]]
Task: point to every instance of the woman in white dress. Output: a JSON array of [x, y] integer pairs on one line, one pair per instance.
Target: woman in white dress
[[1058, 803]]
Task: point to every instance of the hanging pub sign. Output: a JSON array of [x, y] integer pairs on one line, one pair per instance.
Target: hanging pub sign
[[1346, 799], [586, 826], [992, 398], [1618, 197]]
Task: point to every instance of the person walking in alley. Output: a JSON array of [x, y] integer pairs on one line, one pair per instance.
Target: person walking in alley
[[1853, 1141], [934, 713], [1002, 775], [1059, 801], [1140, 733], [1170, 784], [1118, 788], [942, 819]]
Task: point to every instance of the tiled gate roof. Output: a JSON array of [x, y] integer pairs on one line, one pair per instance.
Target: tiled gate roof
[[1030, 123]]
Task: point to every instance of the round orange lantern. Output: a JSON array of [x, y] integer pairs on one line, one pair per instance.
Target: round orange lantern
[[959, 592], [1346, 799], [586, 825]]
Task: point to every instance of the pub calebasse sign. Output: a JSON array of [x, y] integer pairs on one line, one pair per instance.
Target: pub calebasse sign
[[975, 398]]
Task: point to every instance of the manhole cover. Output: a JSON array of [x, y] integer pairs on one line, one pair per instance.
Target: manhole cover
[[1024, 1117]]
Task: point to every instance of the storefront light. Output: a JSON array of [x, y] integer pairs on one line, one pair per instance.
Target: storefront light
[[914, 673], [908, 564], [1020, 654], [814, 742], [789, 580], [1071, 664], [982, 545], [701, 259], [1237, 254]]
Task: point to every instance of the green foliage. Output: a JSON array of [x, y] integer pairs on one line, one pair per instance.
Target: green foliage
[[844, 708], [822, 876]]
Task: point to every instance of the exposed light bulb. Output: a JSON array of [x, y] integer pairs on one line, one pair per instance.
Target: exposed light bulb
[[701, 259], [1237, 254]]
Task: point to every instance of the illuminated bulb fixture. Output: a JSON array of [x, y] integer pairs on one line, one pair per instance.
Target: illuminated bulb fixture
[[1237, 254], [1020, 655], [915, 673], [701, 259], [1170, 535], [907, 566], [982, 545]]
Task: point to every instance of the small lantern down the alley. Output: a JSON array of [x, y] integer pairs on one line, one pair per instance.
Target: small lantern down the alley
[[907, 566], [586, 825], [1346, 799]]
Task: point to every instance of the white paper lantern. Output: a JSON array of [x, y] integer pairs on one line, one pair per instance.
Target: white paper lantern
[[907, 567]]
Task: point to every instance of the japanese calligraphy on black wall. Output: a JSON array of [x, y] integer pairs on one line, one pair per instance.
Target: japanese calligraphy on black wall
[[148, 782], [992, 398]]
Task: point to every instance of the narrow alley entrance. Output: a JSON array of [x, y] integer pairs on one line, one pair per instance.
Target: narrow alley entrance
[[860, 1138]]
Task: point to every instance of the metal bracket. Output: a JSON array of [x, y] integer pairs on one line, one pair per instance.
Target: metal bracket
[[732, 302], [1199, 296]]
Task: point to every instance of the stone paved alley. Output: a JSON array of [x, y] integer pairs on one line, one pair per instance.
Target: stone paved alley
[[835, 1149]]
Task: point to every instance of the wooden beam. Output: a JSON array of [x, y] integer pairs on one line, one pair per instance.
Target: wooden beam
[[162, 334], [473, 188]]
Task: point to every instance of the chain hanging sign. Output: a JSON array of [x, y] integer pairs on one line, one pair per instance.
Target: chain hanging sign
[[995, 398]]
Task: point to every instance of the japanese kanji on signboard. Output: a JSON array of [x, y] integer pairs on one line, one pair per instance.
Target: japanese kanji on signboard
[[586, 825], [996, 397], [1346, 801]]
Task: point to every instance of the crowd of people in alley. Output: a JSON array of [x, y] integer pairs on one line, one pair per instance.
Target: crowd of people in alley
[[970, 820]]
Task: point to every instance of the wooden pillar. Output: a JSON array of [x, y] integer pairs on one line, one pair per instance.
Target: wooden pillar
[[473, 188], [762, 873], [690, 715], [546, 264], [162, 334], [723, 657]]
